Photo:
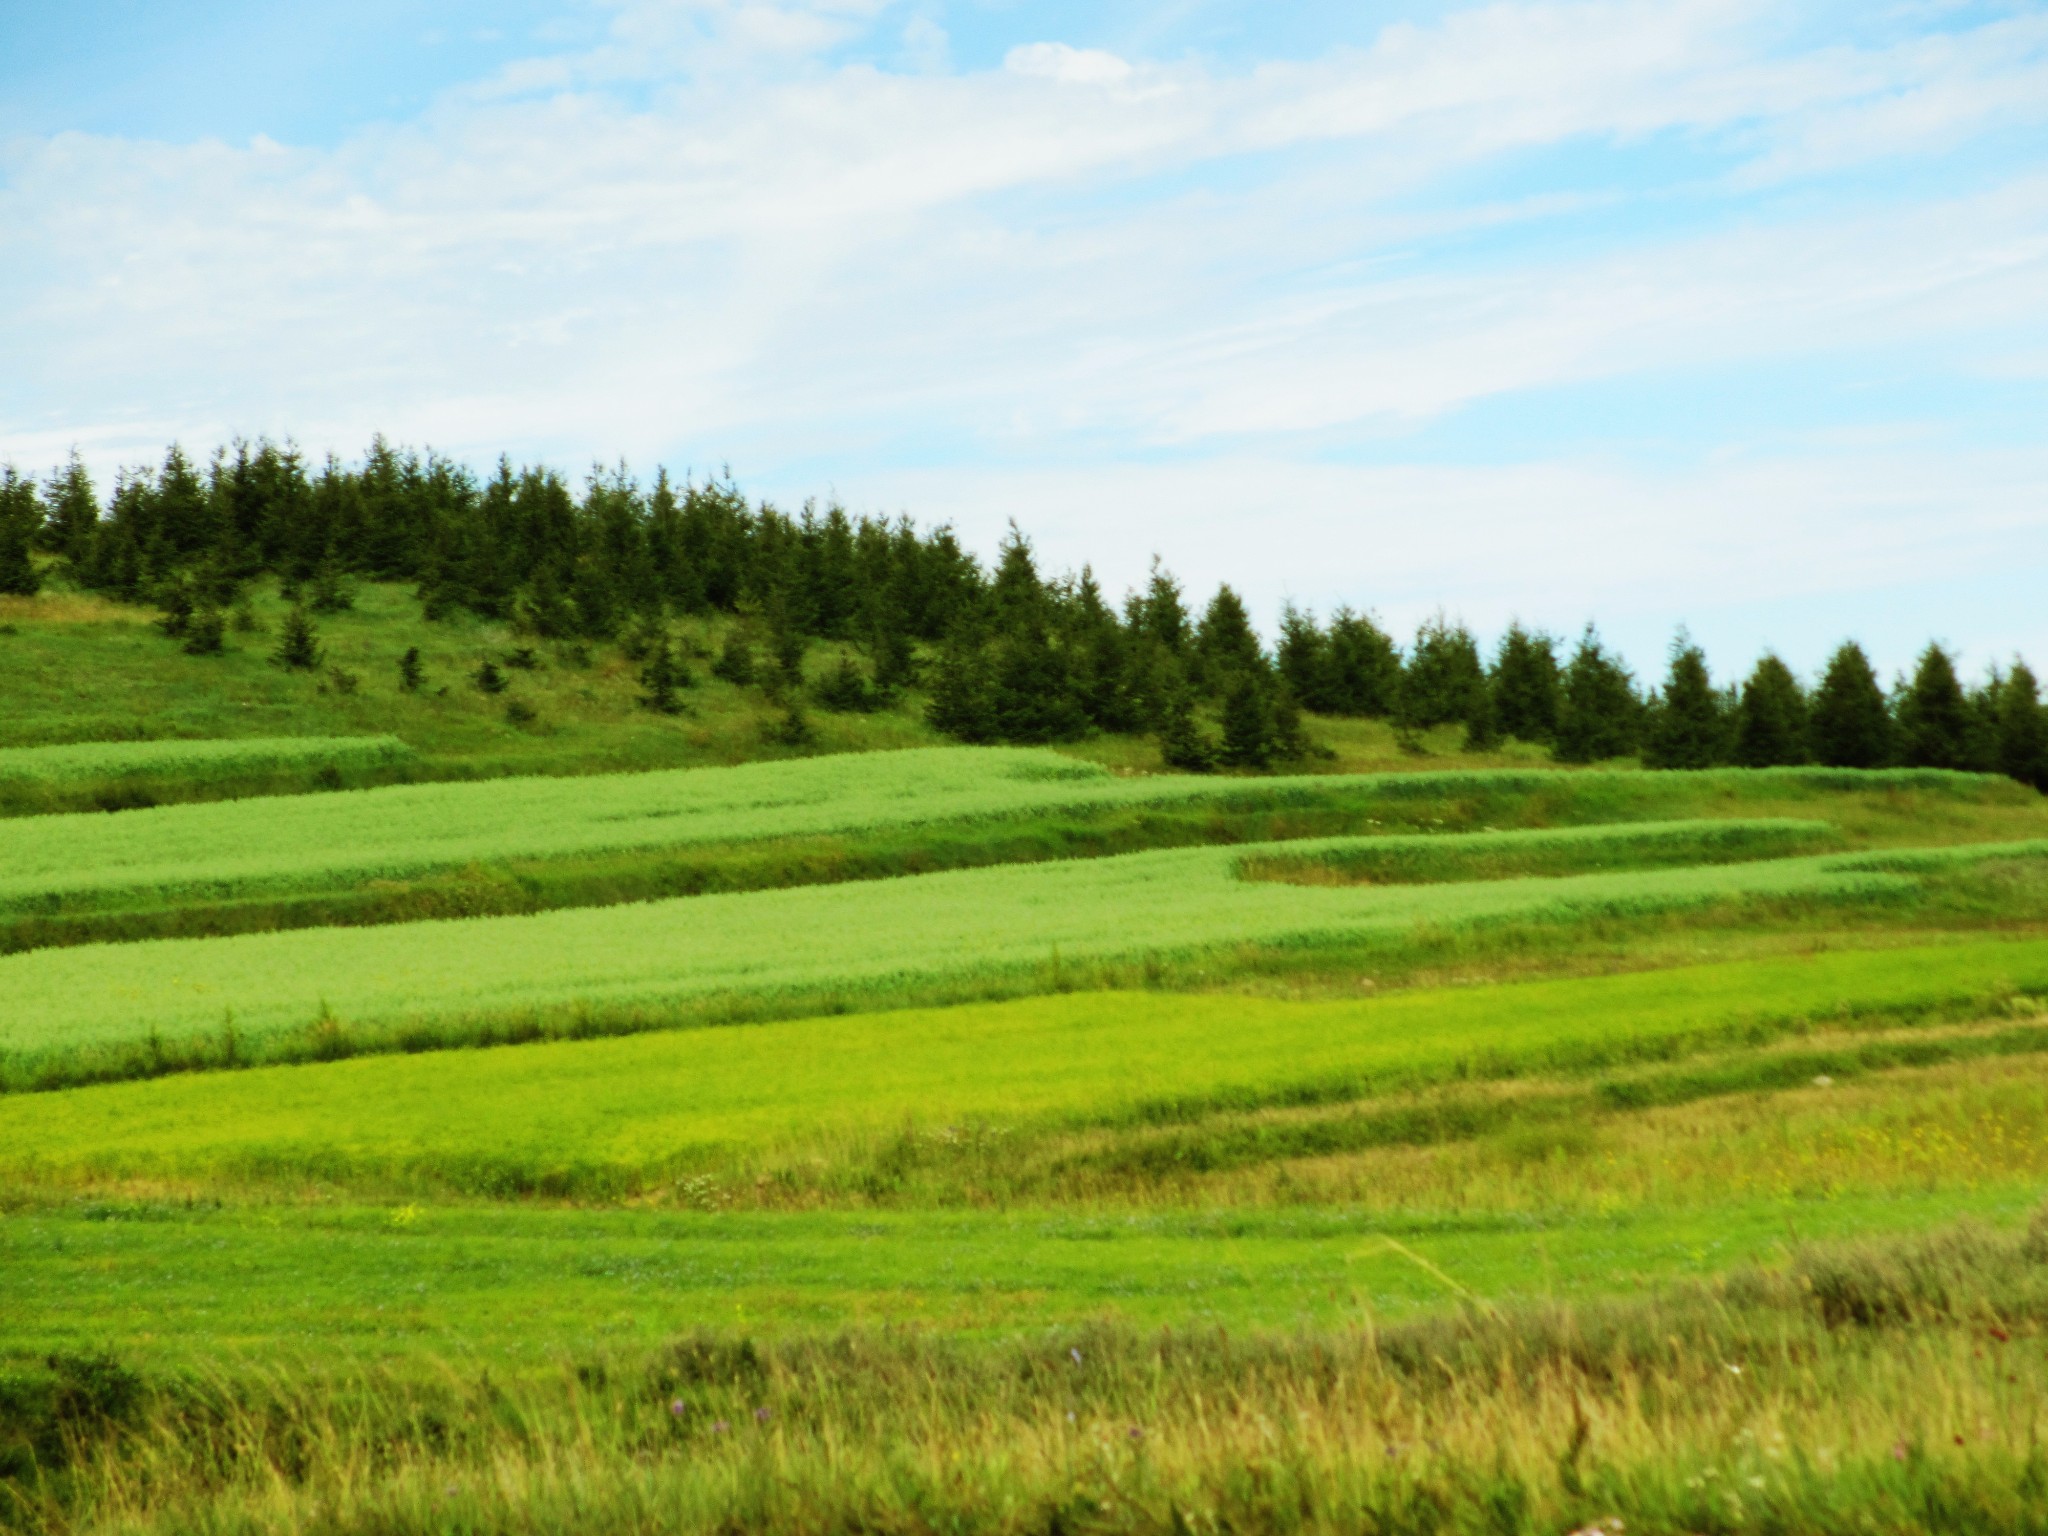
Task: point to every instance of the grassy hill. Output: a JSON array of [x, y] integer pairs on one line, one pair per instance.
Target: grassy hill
[[600, 1120]]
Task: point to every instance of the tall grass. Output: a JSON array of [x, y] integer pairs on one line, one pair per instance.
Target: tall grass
[[126, 775], [1887, 1388], [420, 984]]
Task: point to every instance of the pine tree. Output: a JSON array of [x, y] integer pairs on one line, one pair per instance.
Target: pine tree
[[1365, 667], [1225, 645], [21, 520], [1247, 723], [1850, 724], [1182, 743], [1031, 692], [410, 675], [844, 688], [1160, 615], [488, 678], [174, 607], [1291, 741], [662, 677], [1688, 725], [1933, 715], [735, 663], [2022, 729], [74, 513], [1600, 716], [1443, 681], [1771, 727], [1303, 659], [329, 591], [1525, 685], [204, 631], [960, 691], [298, 644]]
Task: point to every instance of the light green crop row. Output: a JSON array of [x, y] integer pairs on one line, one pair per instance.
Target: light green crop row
[[634, 1107], [90, 760], [845, 939], [294, 844]]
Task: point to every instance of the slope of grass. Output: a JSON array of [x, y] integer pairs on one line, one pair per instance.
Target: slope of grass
[[817, 1102], [121, 1008]]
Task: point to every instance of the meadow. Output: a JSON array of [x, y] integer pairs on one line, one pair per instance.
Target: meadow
[[577, 1125]]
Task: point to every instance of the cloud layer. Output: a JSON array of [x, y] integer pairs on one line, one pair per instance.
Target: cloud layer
[[1170, 301]]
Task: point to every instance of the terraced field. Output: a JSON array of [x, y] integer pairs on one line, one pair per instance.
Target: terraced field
[[1698, 1071]]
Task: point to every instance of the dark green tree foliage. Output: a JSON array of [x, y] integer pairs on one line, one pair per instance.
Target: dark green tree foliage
[[845, 688], [663, 676], [410, 673], [2021, 750], [1183, 744], [204, 632], [1225, 646], [1687, 725], [1771, 726], [1850, 723], [1248, 725], [488, 678], [960, 704], [1101, 655], [1526, 685], [21, 525], [735, 663], [1933, 715], [1302, 659], [74, 513], [1443, 682], [298, 644], [1365, 667], [1600, 715]]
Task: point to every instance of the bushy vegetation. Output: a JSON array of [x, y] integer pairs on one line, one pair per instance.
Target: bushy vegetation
[[95, 761]]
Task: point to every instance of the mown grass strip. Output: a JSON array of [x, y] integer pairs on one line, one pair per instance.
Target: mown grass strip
[[139, 1008], [608, 1116]]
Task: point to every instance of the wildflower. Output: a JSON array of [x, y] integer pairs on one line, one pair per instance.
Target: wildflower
[[720, 1427], [760, 1415], [1139, 1434], [676, 1407], [1898, 1450]]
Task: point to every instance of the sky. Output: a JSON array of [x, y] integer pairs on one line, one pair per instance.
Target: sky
[[1715, 313]]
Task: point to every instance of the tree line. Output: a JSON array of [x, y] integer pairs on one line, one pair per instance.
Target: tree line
[[1005, 653]]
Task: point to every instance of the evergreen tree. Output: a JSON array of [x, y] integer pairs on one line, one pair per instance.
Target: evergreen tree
[[488, 678], [1851, 726], [1101, 656], [175, 606], [298, 644], [410, 675], [1303, 660], [2022, 729], [1160, 615], [1031, 694], [1771, 727], [1291, 741], [21, 520], [1599, 715], [1525, 685], [662, 677], [845, 689], [1248, 735], [204, 630], [74, 513], [735, 661], [1688, 726], [1482, 725], [1182, 743], [1365, 667], [1933, 716], [329, 591], [1225, 645], [960, 705], [1443, 681]]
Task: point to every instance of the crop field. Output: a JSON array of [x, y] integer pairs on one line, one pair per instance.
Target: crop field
[[1004, 1143]]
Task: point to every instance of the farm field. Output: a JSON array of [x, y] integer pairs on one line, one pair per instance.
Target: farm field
[[1178, 1088]]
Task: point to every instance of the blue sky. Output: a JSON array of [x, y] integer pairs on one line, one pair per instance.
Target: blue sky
[[1710, 312]]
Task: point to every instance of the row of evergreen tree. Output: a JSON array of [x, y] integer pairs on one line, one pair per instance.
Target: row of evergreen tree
[[1006, 654]]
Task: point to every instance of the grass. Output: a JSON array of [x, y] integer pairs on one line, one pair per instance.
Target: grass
[[100, 1010], [957, 1103]]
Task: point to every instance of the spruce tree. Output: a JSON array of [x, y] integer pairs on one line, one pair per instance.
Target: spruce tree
[[1933, 716], [1031, 692], [959, 704], [298, 644], [21, 520], [1225, 645], [1160, 614], [488, 678], [1303, 659], [330, 591], [735, 663], [410, 675], [74, 513], [1365, 667], [1525, 685], [1771, 727], [1247, 723], [662, 677], [2022, 729], [204, 630], [1688, 726], [1443, 681], [1182, 743], [844, 688], [1850, 725], [1600, 715]]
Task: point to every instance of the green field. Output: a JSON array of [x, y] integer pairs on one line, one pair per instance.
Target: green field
[[989, 1139]]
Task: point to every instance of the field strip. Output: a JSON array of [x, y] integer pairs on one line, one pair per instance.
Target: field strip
[[567, 1111], [91, 760], [274, 845], [840, 938], [324, 1283]]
